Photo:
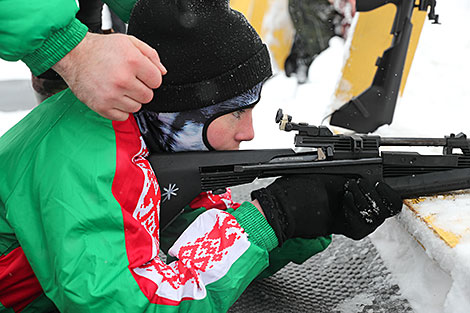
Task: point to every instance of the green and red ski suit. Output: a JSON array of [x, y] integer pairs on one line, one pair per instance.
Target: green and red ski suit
[[79, 230]]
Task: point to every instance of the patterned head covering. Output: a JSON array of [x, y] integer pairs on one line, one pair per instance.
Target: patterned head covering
[[186, 131]]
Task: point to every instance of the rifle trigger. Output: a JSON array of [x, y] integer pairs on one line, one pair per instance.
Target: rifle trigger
[[321, 154]]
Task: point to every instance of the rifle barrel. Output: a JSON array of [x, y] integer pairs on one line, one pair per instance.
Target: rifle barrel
[[410, 141], [413, 186], [299, 165]]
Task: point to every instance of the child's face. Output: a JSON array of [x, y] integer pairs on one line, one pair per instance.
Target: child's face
[[227, 131]]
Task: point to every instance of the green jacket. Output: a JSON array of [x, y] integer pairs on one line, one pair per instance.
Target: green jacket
[[40, 33], [79, 207]]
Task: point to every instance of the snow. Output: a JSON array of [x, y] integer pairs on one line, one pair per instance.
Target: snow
[[457, 216], [434, 279], [422, 281], [306, 103], [449, 213], [13, 70], [436, 102], [355, 304], [8, 119]]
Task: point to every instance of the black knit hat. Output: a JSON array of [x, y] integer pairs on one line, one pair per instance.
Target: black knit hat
[[211, 52]]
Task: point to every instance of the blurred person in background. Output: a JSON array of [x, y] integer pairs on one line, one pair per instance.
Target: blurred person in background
[[315, 23]]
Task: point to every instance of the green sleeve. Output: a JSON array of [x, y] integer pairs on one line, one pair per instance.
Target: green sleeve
[[255, 225], [297, 250], [40, 33]]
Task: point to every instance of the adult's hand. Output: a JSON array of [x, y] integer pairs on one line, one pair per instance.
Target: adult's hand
[[112, 74]]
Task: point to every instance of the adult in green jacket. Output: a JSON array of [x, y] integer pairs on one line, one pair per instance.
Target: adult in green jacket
[[80, 203], [90, 14], [46, 34]]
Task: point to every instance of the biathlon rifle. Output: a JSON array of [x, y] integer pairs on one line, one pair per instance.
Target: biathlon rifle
[[183, 175], [375, 106]]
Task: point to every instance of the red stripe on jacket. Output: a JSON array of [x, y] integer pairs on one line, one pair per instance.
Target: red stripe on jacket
[[18, 284], [136, 190]]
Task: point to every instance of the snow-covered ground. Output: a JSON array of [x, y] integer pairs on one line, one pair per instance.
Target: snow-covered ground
[[436, 102]]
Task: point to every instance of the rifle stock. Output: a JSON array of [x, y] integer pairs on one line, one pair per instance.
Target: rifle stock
[[375, 106]]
